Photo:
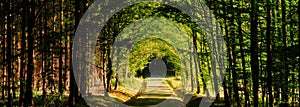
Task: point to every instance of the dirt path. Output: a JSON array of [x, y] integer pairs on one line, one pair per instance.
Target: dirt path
[[157, 94]]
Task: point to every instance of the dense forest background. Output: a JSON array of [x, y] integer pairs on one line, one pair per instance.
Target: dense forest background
[[262, 41]]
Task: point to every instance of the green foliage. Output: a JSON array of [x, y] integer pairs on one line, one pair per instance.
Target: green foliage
[[147, 49]]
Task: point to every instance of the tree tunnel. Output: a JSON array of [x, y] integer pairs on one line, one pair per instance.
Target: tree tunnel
[[134, 36], [150, 49]]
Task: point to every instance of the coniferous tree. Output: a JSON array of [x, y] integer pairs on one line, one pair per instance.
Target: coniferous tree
[[30, 66], [8, 53], [254, 51], [269, 57]]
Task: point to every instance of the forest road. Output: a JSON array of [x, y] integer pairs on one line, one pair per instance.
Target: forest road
[[157, 94]]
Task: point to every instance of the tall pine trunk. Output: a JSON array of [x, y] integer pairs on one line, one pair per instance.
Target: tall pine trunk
[[269, 57], [8, 53], [233, 56], [299, 47], [23, 47], [245, 74], [254, 51], [30, 67], [73, 96], [286, 71], [60, 64], [225, 81]]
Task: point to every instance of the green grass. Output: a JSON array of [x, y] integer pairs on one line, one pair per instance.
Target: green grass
[[173, 82], [132, 85]]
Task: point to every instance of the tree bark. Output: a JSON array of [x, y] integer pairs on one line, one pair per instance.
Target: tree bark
[[23, 47], [245, 74], [8, 53], [233, 56], [60, 62], [286, 71], [30, 67], [191, 66], [269, 57], [202, 62], [299, 47], [197, 65], [254, 51]]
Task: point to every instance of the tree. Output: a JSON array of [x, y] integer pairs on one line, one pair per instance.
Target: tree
[[8, 54], [254, 51], [73, 96], [197, 65], [286, 72], [30, 67], [233, 56], [23, 46], [269, 51], [60, 64], [245, 74], [298, 44], [36, 50]]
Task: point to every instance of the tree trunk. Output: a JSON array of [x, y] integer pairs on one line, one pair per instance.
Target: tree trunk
[[202, 62], [73, 91], [254, 51], [117, 74], [245, 74], [269, 57], [30, 67], [191, 67], [23, 47], [60, 64], [286, 73], [197, 65], [299, 47], [103, 71], [45, 53], [2, 38], [233, 56], [293, 94], [8, 53], [109, 72], [227, 97]]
